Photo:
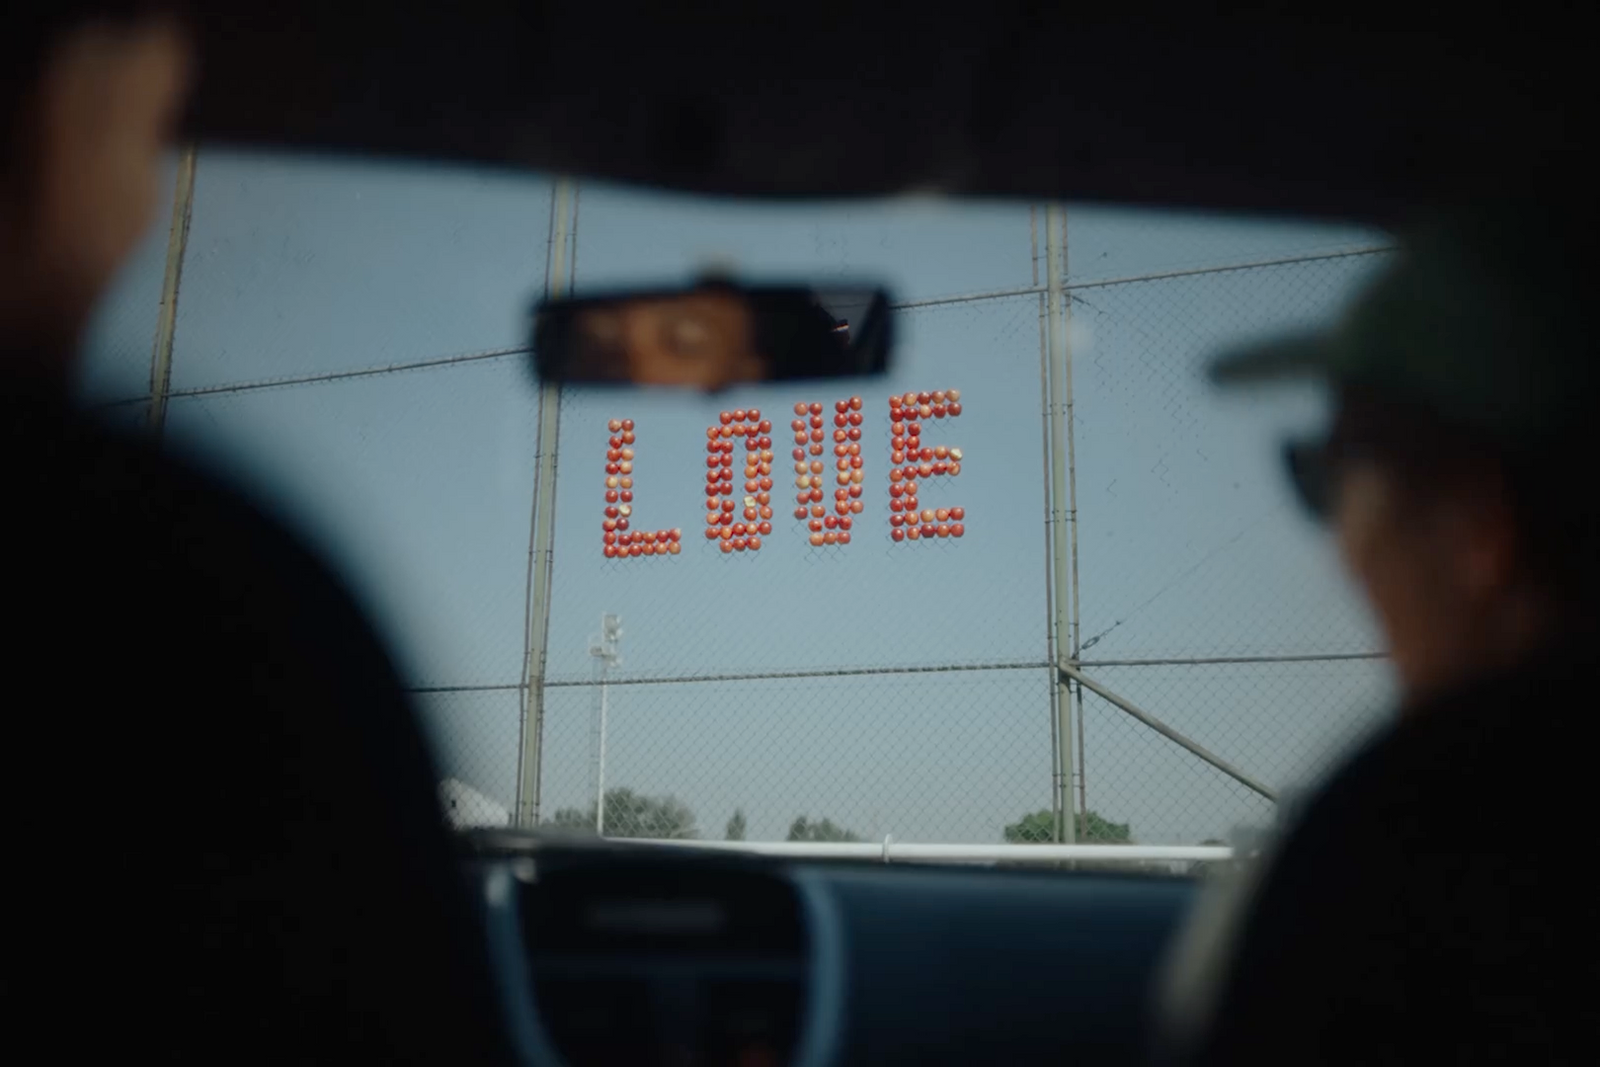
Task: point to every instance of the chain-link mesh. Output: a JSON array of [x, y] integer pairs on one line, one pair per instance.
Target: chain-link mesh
[[350, 338], [1279, 721], [926, 756], [872, 603]]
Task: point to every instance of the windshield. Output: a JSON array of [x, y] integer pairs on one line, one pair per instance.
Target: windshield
[[351, 339]]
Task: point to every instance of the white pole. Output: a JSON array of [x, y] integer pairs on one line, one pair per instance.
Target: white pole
[[604, 650], [600, 777]]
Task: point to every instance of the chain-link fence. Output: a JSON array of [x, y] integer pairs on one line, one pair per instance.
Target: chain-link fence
[[350, 337]]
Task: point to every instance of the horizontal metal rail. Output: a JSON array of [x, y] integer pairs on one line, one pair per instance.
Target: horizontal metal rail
[[888, 851]]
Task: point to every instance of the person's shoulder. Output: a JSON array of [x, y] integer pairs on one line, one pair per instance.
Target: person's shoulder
[[117, 498]]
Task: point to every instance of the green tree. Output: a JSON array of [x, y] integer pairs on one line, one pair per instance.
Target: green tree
[[1039, 828], [736, 826], [804, 829], [632, 814]]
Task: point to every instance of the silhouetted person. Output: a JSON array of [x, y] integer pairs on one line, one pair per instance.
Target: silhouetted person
[[1427, 905], [223, 838]]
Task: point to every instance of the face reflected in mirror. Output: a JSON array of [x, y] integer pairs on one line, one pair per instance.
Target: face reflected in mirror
[[704, 340], [712, 336]]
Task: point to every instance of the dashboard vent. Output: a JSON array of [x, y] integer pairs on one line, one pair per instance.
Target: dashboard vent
[[677, 963]]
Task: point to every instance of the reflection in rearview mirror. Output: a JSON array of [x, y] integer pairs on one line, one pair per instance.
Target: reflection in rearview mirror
[[713, 335]]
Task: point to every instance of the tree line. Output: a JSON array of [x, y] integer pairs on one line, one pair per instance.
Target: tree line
[[630, 813]]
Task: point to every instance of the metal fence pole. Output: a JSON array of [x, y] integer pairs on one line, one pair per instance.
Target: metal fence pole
[[1061, 515], [1045, 467], [167, 322], [542, 534]]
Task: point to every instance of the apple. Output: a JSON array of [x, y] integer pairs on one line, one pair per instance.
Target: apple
[[898, 535]]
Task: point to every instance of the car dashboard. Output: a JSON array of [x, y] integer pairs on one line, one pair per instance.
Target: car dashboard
[[640, 955]]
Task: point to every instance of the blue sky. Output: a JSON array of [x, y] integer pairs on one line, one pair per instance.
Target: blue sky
[[418, 483]]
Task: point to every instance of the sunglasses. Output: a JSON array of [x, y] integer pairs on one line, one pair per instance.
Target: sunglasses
[[1313, 472]]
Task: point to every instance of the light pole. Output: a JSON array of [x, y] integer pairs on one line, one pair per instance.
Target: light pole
[[605, 651]]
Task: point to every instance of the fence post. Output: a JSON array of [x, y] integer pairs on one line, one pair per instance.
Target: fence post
[[563, 221], [1045, 468], [1063, 484], [167, 322]]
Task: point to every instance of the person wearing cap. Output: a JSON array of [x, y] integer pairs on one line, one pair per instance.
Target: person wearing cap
[[1426, 905]]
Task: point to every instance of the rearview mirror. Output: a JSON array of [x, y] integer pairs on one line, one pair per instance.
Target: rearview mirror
[[713, 335]]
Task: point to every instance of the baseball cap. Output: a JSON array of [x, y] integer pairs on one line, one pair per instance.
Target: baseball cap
[[1479, 318]]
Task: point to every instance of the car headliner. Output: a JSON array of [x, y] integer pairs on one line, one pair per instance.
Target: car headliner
[[1012, 99]]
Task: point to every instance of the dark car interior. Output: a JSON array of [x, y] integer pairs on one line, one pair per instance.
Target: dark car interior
[[604, 954]]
